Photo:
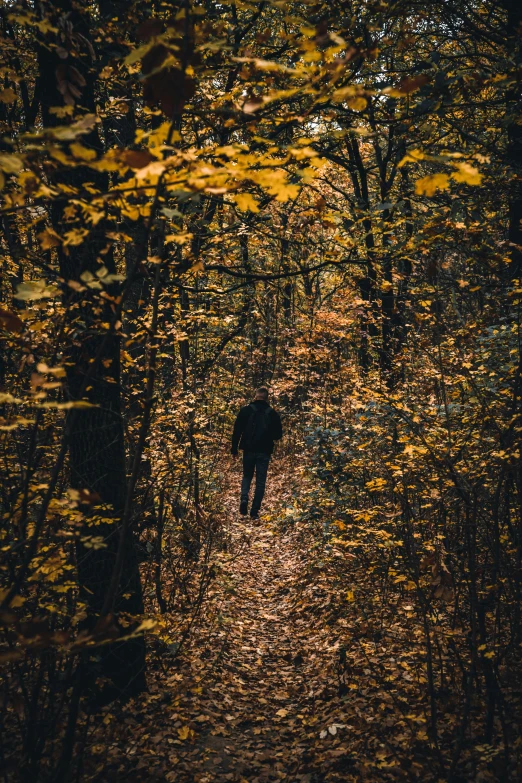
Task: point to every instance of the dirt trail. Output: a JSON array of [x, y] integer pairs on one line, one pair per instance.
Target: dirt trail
[[261, 699], [256, 694], [261, 693]]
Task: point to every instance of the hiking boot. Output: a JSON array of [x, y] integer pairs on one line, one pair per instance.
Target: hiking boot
[[243, 508], [254, 514]]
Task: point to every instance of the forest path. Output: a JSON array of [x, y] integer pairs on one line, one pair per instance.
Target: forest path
[[254, 698], [261, 691], [261, 698]]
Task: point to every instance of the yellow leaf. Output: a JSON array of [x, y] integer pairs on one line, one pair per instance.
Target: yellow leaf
[[8, 95], [36, 289], [11, 164], [48, 238], [184, 732], [246, 202], [412, 156], [75, 237], [81, 152], [146, 625], [58, 154], [3, 399], [67, 406], [127, 358], [179, 239], [70, 132], [61, 111], [357, 103], [352, 96], [282, 713], [266, 65], [58, 372], [427, 186], [467, 173], [343, 93], [282, 191], [131, 212], [154, 169]]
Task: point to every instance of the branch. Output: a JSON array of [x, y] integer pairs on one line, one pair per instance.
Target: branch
[[234, 273]]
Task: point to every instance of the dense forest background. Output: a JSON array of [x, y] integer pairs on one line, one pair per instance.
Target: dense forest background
[[200, 197]]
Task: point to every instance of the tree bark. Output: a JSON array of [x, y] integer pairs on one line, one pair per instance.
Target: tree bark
[[96, 434], [514, 151]]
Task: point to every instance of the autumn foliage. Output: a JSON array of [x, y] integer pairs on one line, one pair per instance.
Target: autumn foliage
[[200, 197]]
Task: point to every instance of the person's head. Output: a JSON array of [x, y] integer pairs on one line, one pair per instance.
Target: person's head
[[262, 393]]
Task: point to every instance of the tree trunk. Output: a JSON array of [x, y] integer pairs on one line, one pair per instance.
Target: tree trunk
[[514, 160], [514, 152], [96, 435]]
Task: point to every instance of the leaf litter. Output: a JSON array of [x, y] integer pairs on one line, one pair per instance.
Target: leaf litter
[[260, 691]]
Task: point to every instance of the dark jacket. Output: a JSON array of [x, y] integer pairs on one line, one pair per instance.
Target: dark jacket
[[274, 430]]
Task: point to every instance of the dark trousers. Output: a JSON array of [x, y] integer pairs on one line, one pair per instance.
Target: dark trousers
[[254, 461]]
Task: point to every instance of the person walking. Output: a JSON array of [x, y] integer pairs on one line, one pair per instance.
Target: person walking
[[256, 428]]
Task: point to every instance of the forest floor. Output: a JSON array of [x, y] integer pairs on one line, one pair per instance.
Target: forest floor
[[255, 695]]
